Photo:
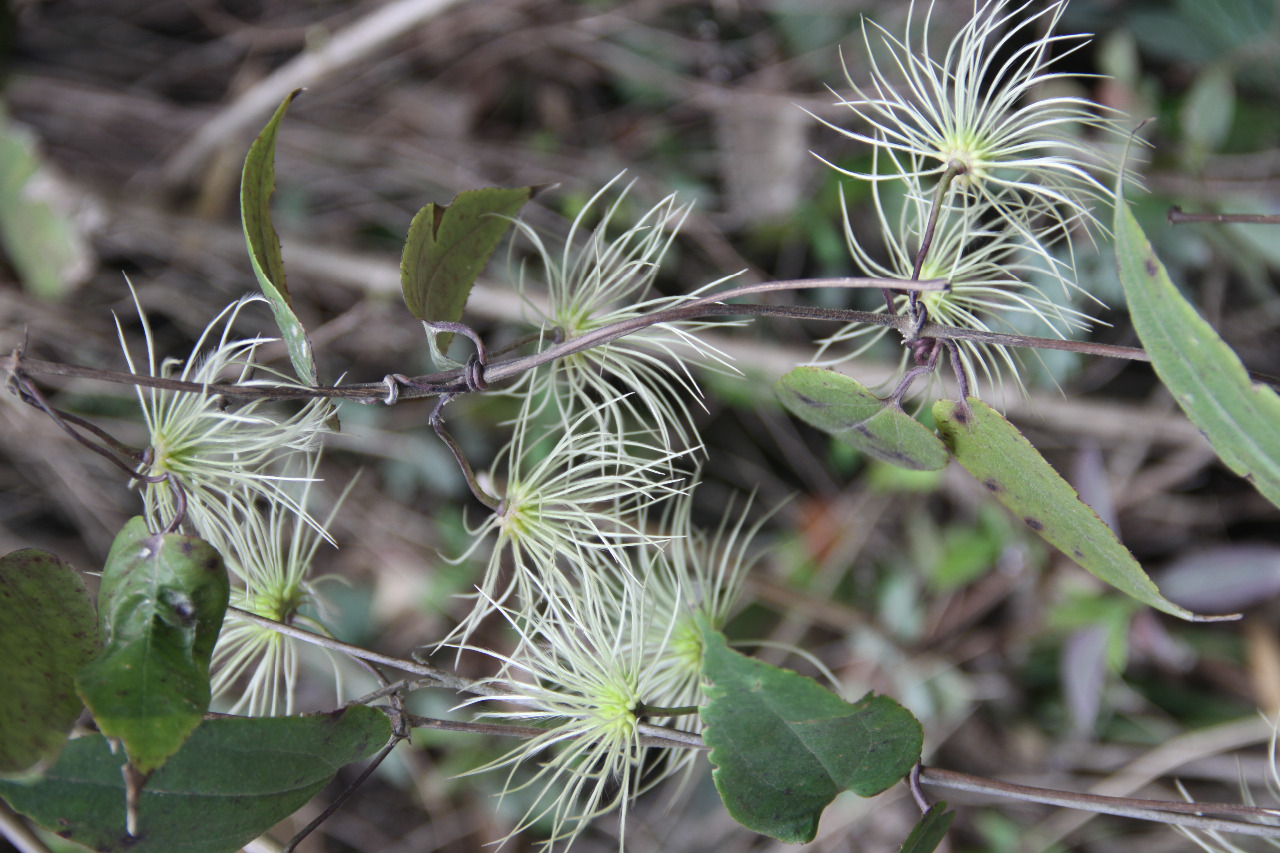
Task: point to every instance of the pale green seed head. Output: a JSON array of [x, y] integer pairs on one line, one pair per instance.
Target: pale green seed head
[[979, 106], [600, 278]]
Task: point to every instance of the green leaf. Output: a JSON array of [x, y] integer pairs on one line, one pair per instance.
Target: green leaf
[[929, 832], [160, 608], [783, 746], [48, 630], [37, 224], [257, 183], [1001, 458], [841, 406], [448, 245], [233, 780], [1240, 418], [1208, 108]]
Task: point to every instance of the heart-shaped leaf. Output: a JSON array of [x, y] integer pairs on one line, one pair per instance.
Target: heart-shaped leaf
[[1014, 472], [1240, 418], [447, 247], [257, 183], [160, 609], [232, 780], [783, 746], [48, 630], [843, 407]]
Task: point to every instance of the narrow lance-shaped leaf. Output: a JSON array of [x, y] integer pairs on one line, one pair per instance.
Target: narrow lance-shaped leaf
[[1240, 418], [233, 780], [783, 746], [160, 609], [842, 406], [929, 832], [257, 183], [447, 247], [48, 630], [1014, 472]]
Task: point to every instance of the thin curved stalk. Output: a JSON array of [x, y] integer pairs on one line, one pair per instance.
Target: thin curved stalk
[[1160, 811]]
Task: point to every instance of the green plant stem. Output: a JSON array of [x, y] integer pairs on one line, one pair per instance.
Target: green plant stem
[[926, 240], [454, 381]]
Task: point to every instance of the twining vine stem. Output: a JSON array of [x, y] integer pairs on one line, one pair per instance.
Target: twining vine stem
[[18, 364]]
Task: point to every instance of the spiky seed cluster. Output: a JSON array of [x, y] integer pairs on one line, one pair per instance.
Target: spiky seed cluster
[[1017, 179], [695, 575], [607, 656], [999, 179], [583, 674], [594, 561], [605, 280], [223, 458], [979, 110], [244, 475], [270, 558], [992, 279]]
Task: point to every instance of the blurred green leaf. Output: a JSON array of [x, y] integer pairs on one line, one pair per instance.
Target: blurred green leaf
[[1240, 418], [1092, 610], [841, 406], [783, 746], [257, 183], [42, 242], [967, 554], [1014, 472], [48, 630], [160, 609], [1207, 111], [1200, 31], [233, 780], [447, 247], [883, 477]]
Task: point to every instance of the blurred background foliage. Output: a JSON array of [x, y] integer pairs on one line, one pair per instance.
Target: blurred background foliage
[[125, 124]]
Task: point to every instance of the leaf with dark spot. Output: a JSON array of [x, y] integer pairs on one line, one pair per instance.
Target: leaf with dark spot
[[1240, 418], [160, 609], [994, 451]]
